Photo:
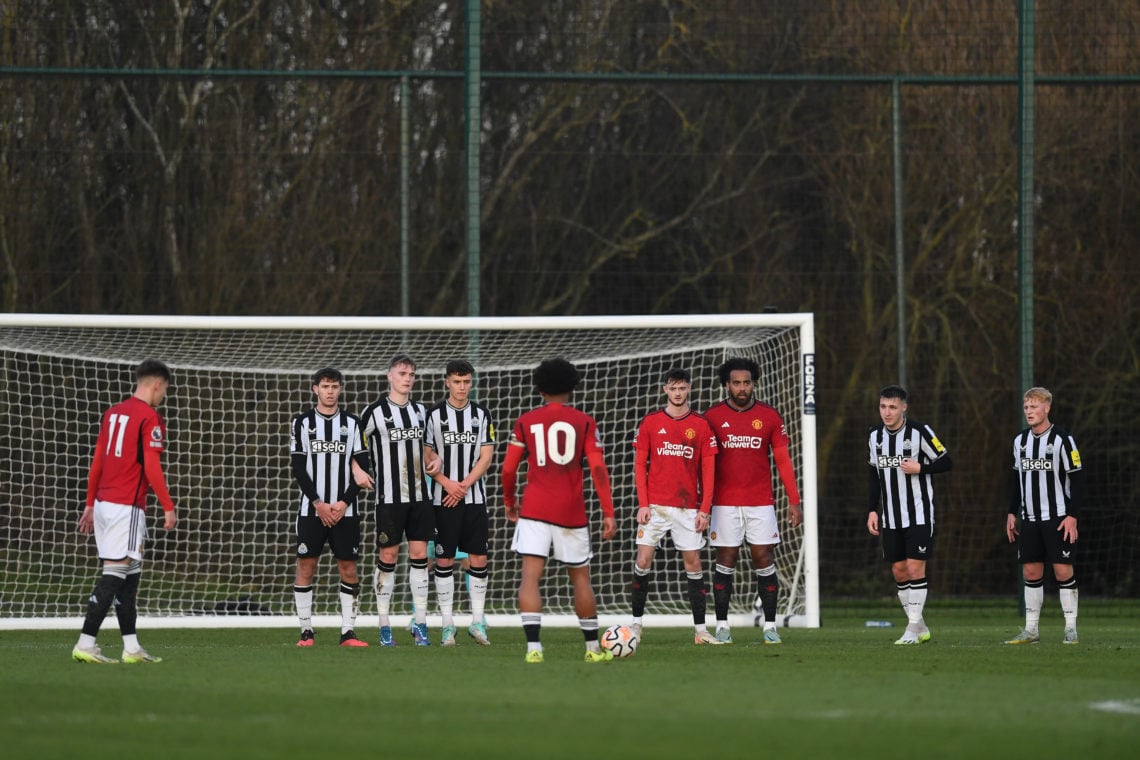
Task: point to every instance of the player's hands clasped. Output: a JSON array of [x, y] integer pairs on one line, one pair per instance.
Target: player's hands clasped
[[324, 511], [454, 492]]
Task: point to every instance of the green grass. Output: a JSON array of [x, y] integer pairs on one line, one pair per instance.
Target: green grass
[[840, 691]]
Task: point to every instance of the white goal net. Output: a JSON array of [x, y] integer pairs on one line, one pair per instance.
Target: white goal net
[[238, 381]]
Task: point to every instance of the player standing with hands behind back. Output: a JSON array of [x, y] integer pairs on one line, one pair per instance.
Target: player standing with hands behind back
[[904, 455], [743, 504], [125, 467], [552, 522], [1047, 492]]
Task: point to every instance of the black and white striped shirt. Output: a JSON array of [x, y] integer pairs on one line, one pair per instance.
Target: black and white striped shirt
[[327, 445], [458, 436], [1044, 465], [395, 437], [907, 499]]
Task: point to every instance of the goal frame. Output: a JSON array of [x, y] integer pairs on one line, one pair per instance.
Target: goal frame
[[807, 575]]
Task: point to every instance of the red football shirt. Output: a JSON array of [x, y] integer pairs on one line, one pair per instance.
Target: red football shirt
[[556, 439], [675, 449], [118, 472], [743, 463]]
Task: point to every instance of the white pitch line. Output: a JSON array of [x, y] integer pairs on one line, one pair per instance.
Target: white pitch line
[[1121, 706]]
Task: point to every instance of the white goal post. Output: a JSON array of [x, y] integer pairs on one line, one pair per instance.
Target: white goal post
[[238, 381]]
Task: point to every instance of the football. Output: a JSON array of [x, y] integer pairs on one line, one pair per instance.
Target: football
[[620, 640]]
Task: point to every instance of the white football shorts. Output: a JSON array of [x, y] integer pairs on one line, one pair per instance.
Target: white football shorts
[[676, 520], [570, 546], [734, 526], [120, 530]]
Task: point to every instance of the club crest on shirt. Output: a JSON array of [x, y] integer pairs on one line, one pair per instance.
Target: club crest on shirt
[[690, 434], [757, 424]]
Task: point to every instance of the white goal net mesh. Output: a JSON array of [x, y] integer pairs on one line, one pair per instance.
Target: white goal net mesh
[[237, 385]]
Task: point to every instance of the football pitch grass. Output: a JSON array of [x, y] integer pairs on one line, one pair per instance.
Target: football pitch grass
[[842, 691]]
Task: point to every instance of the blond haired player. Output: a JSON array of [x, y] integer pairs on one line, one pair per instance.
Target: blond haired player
[[1047, 493], [394, 430]]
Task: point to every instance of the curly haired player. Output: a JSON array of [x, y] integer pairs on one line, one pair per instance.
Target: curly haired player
[[743, 505], [552, 520]]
